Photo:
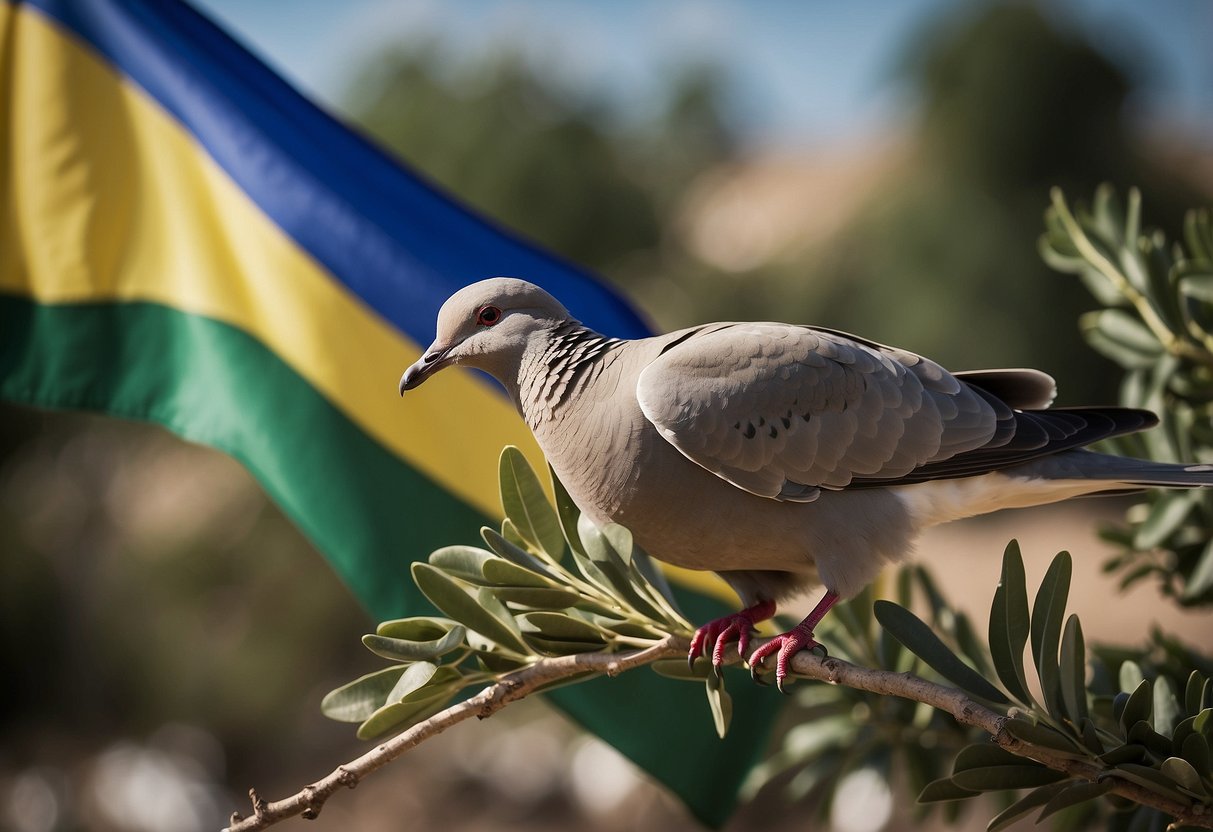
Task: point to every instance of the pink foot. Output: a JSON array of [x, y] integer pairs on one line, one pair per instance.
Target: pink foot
[[792, 642], [720, 632]]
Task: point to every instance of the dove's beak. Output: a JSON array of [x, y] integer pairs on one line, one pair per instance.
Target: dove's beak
[[434, 359]]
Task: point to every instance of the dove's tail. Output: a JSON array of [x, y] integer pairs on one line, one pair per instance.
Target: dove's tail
[[1117, 472], [1075, 473]]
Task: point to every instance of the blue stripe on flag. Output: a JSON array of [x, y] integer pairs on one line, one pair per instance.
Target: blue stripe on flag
[[393, 239]]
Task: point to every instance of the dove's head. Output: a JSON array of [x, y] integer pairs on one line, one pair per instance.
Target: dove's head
[[486, 325]]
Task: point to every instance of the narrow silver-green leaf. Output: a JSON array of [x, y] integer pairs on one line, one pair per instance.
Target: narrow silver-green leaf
[[512, 552], [679, 669], [567, 512], [984, 755], [415, 677], [1201, 579], [1046, 737], [357, 700], [1121, 337], [538, 597], [1009, 625], [1047, 615], [557, 626], [1025, 806], [399, 649], [1074, 795], [1192, 690], [421, 704], [721, 704], [1195, 750], [450, 597], [1150, 778], [938, 791], [1166, 515], [418, 628], [999, 778], [501, 572], [920, 640], [466, 562], [1183, 773], [1138, 707], [1073, 672], [524, 502], [1166, 707]]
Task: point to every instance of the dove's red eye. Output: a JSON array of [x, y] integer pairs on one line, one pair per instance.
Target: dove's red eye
[[488, 315]]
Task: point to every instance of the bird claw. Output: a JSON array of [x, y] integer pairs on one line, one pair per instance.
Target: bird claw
[[784, 647], [716, 636]]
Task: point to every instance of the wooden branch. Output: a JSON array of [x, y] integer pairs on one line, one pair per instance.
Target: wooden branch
[[308, 801], [521, 683]]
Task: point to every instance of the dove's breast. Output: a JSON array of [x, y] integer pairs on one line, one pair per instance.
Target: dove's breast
[[618, 468]]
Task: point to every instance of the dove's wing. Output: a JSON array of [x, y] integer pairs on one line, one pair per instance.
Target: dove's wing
[[782, 411]]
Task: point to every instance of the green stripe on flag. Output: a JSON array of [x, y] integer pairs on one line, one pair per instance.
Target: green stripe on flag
[[213, 383]]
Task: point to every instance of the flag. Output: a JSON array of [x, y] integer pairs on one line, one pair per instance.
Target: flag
[[186, 240]]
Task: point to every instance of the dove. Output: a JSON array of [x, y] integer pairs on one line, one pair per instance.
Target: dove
[[782, 457]]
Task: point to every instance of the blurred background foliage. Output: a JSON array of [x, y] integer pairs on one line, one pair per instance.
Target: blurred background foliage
[[162, 619]]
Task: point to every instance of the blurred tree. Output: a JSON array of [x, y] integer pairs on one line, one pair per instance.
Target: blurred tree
[[944, 261], [512, 146]]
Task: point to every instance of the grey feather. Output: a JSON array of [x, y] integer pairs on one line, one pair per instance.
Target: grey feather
[[779, 455]]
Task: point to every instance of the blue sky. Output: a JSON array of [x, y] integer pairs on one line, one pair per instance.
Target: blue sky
[[801, 71]]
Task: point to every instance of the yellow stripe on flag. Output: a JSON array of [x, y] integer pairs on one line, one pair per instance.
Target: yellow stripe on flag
[[108, 198]]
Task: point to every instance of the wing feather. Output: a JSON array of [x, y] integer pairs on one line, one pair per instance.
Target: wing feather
[[783, 411]]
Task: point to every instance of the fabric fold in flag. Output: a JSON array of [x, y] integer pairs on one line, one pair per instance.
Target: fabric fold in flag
[[186, 240]]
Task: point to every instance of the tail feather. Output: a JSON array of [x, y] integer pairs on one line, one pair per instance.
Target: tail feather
[[1118, 471]]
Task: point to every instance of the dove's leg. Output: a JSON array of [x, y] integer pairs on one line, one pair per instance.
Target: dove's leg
[[793, 641], [720, 632]]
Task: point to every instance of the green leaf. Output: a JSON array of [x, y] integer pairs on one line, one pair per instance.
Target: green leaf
[[1009, 624], [1045, 737], [567, 512], [918, 638], [1073, 672], [721, 704], [1138, 707], [607, 552], [1192, 691], [399, 649], [415, 677], [1182, 772], [512, 552], [450, 597], [944, 789], [1196, 751], [1130, 676], [1074, 795], [1047, 615], [557, 626], [984, 755], [418, 628], [501, 572], [539, 598], [1025, 805], [1168, 513], [1120, 336], [421, 704], [1166, 707], [678, 669], [357, 700], [524, 502], [1201, 579], [999, 778], [1197, 283], [1151, 779], [466, 562]]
